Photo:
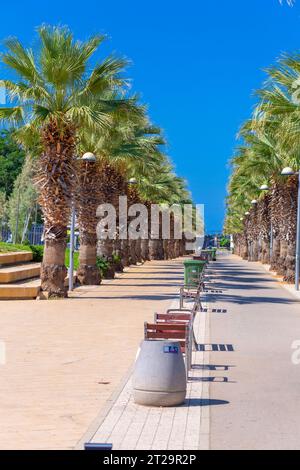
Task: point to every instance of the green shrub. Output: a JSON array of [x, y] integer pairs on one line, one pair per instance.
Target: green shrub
[[38, 252], [225, 242], [116, 258], [103, 265]]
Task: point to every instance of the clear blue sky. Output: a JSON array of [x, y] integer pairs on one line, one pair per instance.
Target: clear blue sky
[[195, 62]]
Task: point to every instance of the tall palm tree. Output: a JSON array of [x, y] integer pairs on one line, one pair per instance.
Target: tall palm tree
[[272, 142], [128, 145], [55, 95]]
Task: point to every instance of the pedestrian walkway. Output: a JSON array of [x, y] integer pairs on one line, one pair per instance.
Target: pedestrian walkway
[[258, 379], [134, 427], [64, 358], [243, 391]]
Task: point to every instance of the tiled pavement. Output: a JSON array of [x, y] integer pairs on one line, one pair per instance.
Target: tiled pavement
[[134, 427]]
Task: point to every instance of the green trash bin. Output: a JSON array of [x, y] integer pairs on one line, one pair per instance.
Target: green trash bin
[[192, 271], [206, 255]]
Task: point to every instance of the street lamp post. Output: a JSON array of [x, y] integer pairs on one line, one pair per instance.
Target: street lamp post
[[89, 158], [289, 172]]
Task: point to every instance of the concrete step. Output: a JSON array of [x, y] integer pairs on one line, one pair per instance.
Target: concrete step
[[24, 290], [15, 257], [19, 272]]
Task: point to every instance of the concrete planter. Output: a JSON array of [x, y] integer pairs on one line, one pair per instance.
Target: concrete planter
[[159, 377]]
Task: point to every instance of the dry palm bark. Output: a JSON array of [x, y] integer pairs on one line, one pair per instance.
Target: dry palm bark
[[88, 197], [55, 181], [264, 227], [134, 245], [145, 241], [244, 240], [291, 227], [279, 249], [156, 246], [112, 185], [253, 234]]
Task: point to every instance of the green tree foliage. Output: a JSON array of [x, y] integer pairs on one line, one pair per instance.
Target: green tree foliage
[[11, 161], [21, 204]]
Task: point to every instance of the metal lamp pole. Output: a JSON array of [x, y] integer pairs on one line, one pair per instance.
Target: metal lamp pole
[[289, 172], [72, 237]]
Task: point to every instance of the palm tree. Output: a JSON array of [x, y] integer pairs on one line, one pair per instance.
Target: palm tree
[[272, 142], [54, 97], [128, 146]]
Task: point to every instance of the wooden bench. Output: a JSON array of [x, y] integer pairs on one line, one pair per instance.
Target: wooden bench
[[173, 317], [190, 293], [176, 331]]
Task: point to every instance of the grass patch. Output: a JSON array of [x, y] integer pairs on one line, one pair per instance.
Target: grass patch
[[76, 259], [9, 247], [37, 251]]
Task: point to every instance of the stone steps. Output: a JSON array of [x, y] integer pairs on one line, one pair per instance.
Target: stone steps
[[15, 257], [19, 276], [19, 272], [28, 289]]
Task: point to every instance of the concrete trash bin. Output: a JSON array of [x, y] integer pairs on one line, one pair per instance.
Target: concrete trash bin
[[159, 377]]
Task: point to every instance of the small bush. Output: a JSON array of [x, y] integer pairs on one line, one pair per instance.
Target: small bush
[[103, 265], [38, 252]]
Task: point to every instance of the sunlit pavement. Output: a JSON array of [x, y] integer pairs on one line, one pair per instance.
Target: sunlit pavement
[[64, 358]]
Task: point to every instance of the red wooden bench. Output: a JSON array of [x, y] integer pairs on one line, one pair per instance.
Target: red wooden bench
[[180, 332]]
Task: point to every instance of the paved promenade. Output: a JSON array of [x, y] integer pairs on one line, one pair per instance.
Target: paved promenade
[[60, 385], [243, 391], [65, 358], [258, 380], [129, 426]]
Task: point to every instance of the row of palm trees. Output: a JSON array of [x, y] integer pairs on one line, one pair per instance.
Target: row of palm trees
[[63, 107], [262, 204]]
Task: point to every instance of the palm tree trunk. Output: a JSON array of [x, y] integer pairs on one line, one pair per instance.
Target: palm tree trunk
[[282, 257], [138, 250], [53, 269], [166, 249], [125, 253], [265, 252], [290, 263], [132, 251], [145, 249], [55, 181], [88, 273], [88, 197], [119, 267], [275, 253], [105, 249]]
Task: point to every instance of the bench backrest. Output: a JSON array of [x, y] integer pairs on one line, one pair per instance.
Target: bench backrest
[[171, 317], [168, 331]]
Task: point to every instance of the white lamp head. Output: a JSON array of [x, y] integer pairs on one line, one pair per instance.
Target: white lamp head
[[254, 201], [89, 157], [132, 181], [247, 213], [287, 171], [242, 218], [264, 187]]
